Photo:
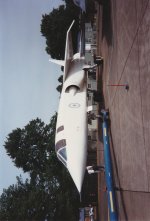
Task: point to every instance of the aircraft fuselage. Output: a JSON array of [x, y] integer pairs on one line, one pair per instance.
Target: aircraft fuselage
[[71, 129]]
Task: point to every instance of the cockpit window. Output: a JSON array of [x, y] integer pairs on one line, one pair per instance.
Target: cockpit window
[[61, 128], [62, 155], [60, 144]]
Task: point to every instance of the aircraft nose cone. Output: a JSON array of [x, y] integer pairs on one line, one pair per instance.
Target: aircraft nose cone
[[76, 157], [78, 179], [77, 171]]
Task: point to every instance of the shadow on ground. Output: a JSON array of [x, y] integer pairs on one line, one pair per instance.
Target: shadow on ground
[[115, 171], [107, 30]]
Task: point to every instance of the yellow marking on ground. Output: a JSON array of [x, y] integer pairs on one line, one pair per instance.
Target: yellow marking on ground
[[105, 131], [111, 202]]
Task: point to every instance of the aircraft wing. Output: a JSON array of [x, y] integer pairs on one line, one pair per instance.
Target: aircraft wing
[[68, 51], [59, 62]]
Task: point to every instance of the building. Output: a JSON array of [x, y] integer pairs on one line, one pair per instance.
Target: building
[[89, 191]]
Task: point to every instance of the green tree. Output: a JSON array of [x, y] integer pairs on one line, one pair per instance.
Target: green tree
[[50, 193], [31, 147], [54, 27], [59, 87], [25, 201]]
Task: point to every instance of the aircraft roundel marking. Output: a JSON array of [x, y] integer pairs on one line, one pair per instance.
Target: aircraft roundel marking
[[74, 105]]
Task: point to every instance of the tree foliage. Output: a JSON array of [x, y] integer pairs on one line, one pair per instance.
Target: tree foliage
[[25, 201], [32, 147], [50, 193], [59, 87], [54, 27]]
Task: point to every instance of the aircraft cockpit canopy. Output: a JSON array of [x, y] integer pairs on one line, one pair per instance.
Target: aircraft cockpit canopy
[[62, 155], [60, 148]]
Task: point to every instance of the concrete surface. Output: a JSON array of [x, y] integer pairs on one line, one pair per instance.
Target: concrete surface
[[124, 42]]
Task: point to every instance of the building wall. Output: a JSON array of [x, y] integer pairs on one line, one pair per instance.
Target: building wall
[[90, 42], [89, 191]]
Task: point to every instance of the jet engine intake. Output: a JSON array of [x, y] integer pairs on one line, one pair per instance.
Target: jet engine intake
[[72, 89]]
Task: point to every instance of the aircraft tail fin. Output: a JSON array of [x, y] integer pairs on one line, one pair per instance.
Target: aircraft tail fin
[[68, 53], [82, 41], [59, 62]]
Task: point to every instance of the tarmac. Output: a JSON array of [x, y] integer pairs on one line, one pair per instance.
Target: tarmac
[[123, 39]]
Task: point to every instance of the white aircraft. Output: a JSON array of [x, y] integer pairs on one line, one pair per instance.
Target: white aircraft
[[71, 128]]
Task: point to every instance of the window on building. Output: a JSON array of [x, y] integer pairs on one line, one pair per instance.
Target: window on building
[[94, 36], [89, 97], [89, 29], [89, 85], [89, 137]]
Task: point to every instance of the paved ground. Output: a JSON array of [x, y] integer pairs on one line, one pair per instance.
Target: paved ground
[[124, 42]]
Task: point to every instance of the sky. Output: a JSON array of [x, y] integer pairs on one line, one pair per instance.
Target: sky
[[28, 80]]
